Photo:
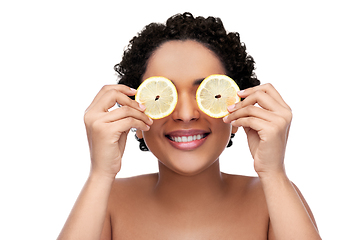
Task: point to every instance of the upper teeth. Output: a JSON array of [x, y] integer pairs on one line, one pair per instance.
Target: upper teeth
[[187, 138]]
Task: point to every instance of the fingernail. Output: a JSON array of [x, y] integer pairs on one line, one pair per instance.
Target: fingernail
[[241, 92], [133, 90], [225, 119], [231, 107], [142, 107]]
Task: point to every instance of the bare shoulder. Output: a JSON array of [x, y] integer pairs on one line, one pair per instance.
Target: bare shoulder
[[136, 184], [247, 190], [245, 184], [126, 190]]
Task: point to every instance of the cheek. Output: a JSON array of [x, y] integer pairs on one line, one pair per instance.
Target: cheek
[[219, 127], [225, 134], [153, 137], [222, 133]]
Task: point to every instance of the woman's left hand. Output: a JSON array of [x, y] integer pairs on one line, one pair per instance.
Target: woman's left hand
[[266, 125]]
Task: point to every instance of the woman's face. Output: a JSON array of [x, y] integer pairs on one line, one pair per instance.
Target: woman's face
[[187, 141]]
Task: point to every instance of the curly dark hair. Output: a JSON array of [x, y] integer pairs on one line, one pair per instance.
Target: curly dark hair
[[208, 31]]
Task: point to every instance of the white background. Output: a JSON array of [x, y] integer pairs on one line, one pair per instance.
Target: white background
[[55, 57]]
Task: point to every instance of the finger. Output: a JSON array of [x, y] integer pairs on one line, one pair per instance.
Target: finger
[[125, 124], [267, 88], [264, 100], [254, 123], [113, 96], [251, 111], [125, 112], [105, 89]]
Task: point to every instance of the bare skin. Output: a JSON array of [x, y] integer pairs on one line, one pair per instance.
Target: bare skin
[[189, 198]]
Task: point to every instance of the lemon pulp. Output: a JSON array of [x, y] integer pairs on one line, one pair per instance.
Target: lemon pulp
[[215, 94], [158, 95]]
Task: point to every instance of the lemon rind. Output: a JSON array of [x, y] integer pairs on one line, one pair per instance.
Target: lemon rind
[[201, 87], [169, 84]]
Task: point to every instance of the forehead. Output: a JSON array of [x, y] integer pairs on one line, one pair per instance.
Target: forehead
[[183, 60]]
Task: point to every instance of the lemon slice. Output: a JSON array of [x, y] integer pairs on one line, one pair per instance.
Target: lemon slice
[[158, 95], [215, 94]]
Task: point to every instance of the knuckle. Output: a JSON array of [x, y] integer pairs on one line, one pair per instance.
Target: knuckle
[[133, 123], [274, 130], [258, 93], [112, 92], [123, 99], [125, 110], [106, 88], [289, 116], [96, 126], [279, 126], [87, 118], [249, 110], [289, 108], [128, 101], [128, 121], [248, 121], [282, 122], [268, 85]]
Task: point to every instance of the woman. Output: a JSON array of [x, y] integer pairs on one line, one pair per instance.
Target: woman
[[189, 198]]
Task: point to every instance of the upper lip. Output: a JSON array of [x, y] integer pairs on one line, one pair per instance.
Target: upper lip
[[186, 132]]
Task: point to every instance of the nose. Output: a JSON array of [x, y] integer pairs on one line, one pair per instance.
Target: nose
[[186, 109]]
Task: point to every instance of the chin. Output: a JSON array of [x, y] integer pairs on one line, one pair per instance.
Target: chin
[[188, 166]]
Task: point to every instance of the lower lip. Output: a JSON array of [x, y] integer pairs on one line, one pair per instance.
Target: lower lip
[[188, 146]]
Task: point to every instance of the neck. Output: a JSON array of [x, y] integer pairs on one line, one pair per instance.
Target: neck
[[196, 190]]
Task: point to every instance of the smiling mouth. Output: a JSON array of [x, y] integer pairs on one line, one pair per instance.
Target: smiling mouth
[[185, 139]]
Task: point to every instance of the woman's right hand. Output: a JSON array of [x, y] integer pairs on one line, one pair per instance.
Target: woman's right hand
[[107, 130]]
